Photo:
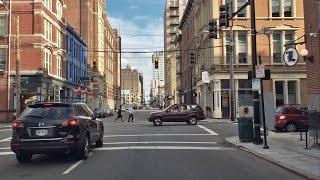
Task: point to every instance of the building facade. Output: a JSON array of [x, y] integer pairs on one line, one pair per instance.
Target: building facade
[[76, 66], [130, 83], [312, 26], [287, 85], [42, 31], [90, 20], [172, 15]]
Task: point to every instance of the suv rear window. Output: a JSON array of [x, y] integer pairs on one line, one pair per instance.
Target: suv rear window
[[196, 108], [53, 111]]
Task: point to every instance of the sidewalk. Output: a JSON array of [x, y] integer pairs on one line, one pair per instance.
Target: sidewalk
[[287, 151]]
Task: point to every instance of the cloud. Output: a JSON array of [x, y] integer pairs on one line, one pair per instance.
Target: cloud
[[133, 7], [137, 37]]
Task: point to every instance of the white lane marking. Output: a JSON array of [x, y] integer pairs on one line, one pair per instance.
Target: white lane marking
[[6, 139], [208, 130], [5, 148], [158, 142], [6, 153], [1, 130], [141, 135], [163, 148], [74, 166]]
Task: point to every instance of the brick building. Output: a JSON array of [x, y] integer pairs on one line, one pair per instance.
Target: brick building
[[312, 26], [130, 87], [283, 17], [42, 33], [89, 19]]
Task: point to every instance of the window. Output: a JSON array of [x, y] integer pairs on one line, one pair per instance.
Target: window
[[288, 8], [240, 3], [289, 38], [48, 61], [59, 69], [318, 4], [3, 25], [59, 9], [47, 30], [3, 57], [242, 53], [48, 4], [279, 86], [277, 48], [59, 39], [225, 84], [275, 8], [292, 92]]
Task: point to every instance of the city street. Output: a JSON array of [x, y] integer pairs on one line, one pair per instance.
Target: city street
[[138, 151]]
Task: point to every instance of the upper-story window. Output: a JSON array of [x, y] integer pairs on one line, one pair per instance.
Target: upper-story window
[[276, 8], [240, 3], [47, 30], [280, 39], [59, 66], [3, 25], [48, 61], [282, 8], [59, 39], [59, 9], [288, 8], [242, 45], [318, 4], [48, 4]]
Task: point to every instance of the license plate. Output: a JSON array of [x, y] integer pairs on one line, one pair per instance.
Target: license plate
[[41, 132]]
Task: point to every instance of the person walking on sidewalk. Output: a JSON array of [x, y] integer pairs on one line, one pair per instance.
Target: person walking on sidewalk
[[131, 111], [119, 112]]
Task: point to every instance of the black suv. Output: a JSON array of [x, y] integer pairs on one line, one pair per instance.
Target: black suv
[[56, 127]]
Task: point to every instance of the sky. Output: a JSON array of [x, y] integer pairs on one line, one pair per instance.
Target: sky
[[141, 27]]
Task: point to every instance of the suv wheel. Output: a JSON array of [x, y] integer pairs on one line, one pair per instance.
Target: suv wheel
[[157, 121], [24, 157], [85, 148], [192, 121], [291, 127]]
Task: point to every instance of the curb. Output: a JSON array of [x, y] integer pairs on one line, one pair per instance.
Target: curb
[[280, 164]]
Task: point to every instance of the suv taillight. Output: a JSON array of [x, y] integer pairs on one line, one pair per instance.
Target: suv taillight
[[282, 117], [71, 122], [17, 124]]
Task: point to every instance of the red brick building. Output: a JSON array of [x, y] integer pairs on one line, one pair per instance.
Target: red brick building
[[312, 26], [42, 32]]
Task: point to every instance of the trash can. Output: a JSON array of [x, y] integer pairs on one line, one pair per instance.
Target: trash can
[[245, 128]]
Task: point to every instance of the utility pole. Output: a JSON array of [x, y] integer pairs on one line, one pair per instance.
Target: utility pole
[[232, 58], [18, 80], [257, 134]]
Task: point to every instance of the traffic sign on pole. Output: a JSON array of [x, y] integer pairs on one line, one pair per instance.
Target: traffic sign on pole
[[260, 72]]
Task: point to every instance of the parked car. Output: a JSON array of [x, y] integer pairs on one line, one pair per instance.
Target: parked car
[[190, 114], [56, 127], [100, 112], [291, 118]]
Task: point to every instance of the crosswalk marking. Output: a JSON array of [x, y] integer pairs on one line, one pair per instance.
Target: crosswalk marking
[[208, 130], [6, 139], [142, 135], [164, 148], [158, 142]]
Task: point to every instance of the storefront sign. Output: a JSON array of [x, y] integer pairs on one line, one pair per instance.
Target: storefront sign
[[290, 56]]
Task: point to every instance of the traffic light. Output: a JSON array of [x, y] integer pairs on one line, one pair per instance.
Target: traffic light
[[224, 16], [213, 29], [156, 62], [193, 57], [194, 94], [94, 64]]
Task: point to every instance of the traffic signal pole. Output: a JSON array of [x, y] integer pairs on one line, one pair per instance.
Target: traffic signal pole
[[256, 105]]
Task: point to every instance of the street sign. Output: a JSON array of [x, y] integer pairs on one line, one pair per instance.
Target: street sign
[[290, 56], [205, 77], [260, 72], [256, 85]]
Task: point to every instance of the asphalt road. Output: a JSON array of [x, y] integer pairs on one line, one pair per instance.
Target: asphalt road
[[140, 151]]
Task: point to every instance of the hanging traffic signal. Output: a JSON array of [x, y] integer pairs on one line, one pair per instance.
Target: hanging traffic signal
[[94, 64], [213, 29], [156, 62], [193, 57], [224, 16]]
